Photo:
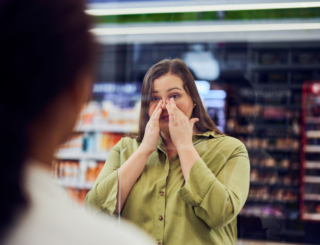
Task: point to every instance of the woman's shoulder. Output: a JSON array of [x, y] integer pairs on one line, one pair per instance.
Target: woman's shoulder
[[225, 140], [128, 142]]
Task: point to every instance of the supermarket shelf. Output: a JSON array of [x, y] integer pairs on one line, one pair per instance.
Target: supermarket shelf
[[75, 184], [313, 120], [311, 216], [312, 179], [282, 150], [292, 216], [280, 169], [275, 149], [253, 200], [278, 86], [278, 185], [115, 128], [312, 165], [313, 134], [284, 67], [74, 155], [312, 197], [312, 148]]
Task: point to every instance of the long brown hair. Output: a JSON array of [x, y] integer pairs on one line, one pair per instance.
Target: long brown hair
[[176, 67], [44, 45]]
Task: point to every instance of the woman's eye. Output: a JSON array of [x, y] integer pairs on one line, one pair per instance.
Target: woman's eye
[[154, 99], [175, 96]]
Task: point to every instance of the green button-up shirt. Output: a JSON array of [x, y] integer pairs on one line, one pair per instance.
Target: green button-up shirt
[[201, 210]]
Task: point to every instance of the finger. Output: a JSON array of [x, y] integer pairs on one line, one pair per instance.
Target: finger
[[170, 111], [155, 110], [193, 121], [157, 114], [174, 107], [173, 104]]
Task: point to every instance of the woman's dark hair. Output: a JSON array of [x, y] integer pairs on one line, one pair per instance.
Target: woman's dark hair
[[176, 67], [43, 46]]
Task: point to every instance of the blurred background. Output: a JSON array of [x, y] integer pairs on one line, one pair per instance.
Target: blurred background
[[257, 69]]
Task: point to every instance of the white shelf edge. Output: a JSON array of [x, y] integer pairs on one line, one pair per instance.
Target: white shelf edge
[[313, 134], [75, 184], [312, 165], [312, 148], [113, 128], [313, 120], [311, 216], [312, 197], [312, 179], [64, 154]]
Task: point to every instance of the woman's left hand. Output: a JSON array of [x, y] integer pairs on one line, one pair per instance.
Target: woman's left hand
[[180, 126]]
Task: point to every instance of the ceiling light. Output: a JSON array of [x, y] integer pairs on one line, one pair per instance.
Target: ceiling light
[[201, 8], [203, 29]]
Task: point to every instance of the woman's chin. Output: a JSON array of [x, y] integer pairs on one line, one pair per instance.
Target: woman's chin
[[164, 127]]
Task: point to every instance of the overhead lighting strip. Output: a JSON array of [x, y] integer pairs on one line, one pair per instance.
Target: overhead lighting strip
[[204, 29], [201, 8]]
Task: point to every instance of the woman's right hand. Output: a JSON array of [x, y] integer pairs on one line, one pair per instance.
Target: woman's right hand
[[151, 134]]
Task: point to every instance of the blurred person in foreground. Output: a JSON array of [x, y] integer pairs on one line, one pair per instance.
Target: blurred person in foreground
[[181, 179], [46, 67]]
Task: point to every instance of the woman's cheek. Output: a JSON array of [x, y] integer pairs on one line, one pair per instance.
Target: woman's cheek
[[185, 108], [151, 109]]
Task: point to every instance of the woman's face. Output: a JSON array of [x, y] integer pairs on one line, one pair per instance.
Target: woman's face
[[166, 87]]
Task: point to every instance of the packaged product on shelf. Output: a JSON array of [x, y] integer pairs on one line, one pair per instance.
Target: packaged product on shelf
[[77, 196], [285, 163], [287, 179], [88, 142], [89, 114], [254, 175], [82, 196], [83, 166], [74, 143], [91, 171], [279, 195]]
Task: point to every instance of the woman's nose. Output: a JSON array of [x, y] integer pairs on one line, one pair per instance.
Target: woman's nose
[[164, 104]]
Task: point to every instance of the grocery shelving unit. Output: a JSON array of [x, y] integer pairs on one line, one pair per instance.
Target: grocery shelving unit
[[268, 121]]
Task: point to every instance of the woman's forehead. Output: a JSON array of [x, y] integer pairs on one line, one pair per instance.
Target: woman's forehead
[[167, 82]]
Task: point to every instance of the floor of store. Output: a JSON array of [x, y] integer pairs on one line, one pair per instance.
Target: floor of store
[[254, 242]]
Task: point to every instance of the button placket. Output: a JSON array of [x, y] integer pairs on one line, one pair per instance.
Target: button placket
[[161, 188]]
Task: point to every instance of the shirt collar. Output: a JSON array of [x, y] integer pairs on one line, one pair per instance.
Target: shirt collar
[[195, 139]]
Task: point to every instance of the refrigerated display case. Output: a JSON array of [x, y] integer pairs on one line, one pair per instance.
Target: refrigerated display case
[[310, 152]]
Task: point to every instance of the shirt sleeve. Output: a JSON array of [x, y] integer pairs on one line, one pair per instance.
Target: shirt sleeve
[[217, 200], [103, 195]]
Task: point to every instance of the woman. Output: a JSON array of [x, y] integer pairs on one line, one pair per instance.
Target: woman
[[46, 66], [181, 179]]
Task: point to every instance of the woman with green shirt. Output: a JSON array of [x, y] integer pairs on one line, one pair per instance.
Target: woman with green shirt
[[180, 179]]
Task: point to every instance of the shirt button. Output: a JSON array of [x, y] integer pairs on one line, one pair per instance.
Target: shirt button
[[177, 155], [160, 218], [161, 193]]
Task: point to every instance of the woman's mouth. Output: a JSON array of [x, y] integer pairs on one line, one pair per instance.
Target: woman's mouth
[[165, 117]]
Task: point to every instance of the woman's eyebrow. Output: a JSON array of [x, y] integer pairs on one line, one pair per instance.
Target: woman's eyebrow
[[173, 89], [155, 92]]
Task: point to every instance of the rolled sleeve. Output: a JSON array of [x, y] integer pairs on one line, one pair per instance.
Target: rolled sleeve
[[198, 183], [103, 196], [217, 200]]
